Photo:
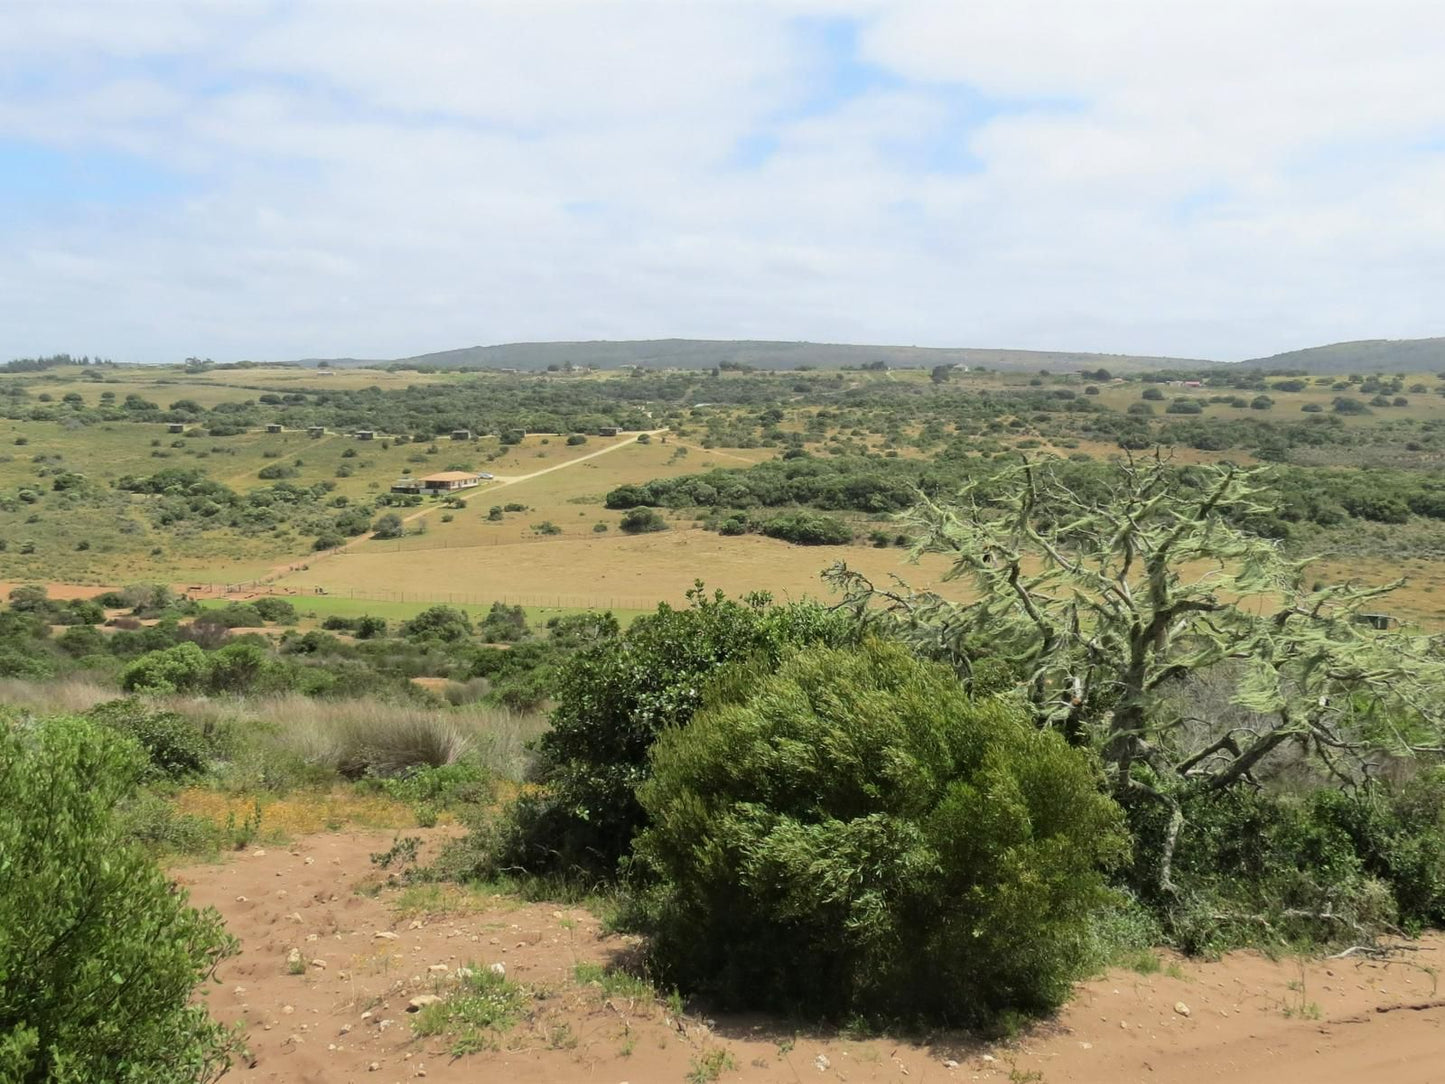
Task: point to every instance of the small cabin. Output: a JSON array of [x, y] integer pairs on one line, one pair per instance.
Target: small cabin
[[365, 434], [608, 430], [273, 427], [314, 431], [448, 480], [176, 427], [461, 434]]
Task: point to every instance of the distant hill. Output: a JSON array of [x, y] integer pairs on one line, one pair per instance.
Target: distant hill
[[1364, 356], [707, 353]]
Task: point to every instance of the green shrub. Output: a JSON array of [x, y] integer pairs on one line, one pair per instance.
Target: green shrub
[[182, 668], [276, 610], [388, 526], [809, 529], [99, 953], [369, 627], [1254, 868], [504, 624], [853, 835], [642, 521], [613, 698], [445, 623], [173, 745]]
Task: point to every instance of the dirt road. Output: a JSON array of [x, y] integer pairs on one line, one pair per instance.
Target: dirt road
[[343, 1017]]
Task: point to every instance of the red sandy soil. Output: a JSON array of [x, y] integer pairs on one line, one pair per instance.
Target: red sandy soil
[[1241, 1019]]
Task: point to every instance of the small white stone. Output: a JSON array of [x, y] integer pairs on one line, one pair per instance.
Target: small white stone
[[1181, 1008]]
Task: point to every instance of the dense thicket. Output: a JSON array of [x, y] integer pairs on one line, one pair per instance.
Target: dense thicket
[[877, 484]]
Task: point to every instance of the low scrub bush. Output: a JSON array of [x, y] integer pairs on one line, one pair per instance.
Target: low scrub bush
[[641, 521], [809, 529], [174, 747], [99, 953], [853, 835]]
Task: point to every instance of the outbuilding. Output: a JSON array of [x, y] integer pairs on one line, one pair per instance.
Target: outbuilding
[[448, 480]]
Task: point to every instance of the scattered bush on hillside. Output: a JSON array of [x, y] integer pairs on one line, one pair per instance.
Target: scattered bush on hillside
[[809, 529], [99, 952], [388, 526], [642, 521], [823, 842], [445, 623]]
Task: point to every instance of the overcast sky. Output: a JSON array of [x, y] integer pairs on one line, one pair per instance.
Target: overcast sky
[[271, 180]]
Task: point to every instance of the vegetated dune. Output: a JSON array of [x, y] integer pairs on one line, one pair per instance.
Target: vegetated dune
[[336, 1010]]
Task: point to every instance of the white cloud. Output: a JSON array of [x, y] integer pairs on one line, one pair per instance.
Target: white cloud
[[379, 178]]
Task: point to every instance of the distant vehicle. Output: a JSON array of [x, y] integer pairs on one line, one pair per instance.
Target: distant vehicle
[[484, 476]]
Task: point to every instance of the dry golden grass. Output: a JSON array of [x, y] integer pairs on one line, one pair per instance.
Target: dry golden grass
[[611, 570], [341, 734], [297, 814], [69, 696]]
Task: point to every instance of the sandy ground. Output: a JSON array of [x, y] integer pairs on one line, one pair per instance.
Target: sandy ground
[[1244, 1019]]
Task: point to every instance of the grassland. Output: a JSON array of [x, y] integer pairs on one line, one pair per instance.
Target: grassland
[[563, 550]]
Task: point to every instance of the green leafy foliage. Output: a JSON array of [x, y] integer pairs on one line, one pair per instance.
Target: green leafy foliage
[[98, 953], [854, 835], [182, 668], [1323, 867], [614, 698], [642, 521], [445, 623], [173, 745]]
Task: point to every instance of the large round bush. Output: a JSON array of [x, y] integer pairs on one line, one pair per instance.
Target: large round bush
[[858, 836]]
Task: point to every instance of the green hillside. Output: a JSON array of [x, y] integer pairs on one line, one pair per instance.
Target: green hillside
[[762, 354], [1364, 355]]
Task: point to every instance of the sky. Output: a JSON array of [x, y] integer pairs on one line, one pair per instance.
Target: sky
[[278, 179]]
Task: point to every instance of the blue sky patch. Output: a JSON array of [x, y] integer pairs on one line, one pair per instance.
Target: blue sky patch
[[38, 176]]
